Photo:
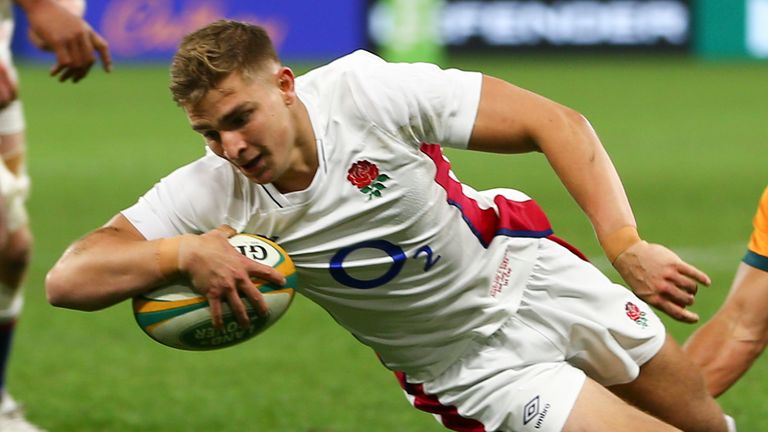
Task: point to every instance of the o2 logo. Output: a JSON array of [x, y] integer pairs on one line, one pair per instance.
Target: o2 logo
[[393, 251]]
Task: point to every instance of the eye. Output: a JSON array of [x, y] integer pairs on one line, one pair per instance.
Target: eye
[[240, 120], [211, 136]]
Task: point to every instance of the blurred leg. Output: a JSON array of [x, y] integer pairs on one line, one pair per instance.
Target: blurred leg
[[15, 250]]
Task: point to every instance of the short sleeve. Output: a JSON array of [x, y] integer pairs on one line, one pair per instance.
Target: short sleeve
[[189, 200], [417, 102], [757, 253]]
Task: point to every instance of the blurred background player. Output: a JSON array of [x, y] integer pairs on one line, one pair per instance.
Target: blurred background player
[[727, 345], [60, 28]]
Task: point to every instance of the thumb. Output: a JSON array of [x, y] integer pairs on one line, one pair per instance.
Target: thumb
[[224, 230]]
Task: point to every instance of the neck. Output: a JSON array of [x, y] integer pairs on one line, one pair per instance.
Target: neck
[[305, 163]]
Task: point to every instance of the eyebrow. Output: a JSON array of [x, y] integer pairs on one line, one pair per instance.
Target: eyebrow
[[226, 118], [200, 127]]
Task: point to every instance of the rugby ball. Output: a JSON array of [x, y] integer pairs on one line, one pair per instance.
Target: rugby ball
[[179, 317]]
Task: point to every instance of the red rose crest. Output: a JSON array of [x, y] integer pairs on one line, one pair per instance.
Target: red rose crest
[[366, 177], [635, 314]]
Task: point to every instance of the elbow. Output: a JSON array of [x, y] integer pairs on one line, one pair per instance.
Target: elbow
[[574, 119], [56, 289], [61, 291]]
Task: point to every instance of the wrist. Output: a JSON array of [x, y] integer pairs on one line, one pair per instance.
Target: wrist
[[615, 243], [168, 257]]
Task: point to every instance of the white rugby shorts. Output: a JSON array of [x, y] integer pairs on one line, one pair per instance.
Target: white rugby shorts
[[572, 321]]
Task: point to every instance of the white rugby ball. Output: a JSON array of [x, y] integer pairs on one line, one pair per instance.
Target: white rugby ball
[[179, 317]]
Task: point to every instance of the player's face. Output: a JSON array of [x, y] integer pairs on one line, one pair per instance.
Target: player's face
[[251, 123]]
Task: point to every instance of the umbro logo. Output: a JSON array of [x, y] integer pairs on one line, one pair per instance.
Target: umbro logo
[[534, 410]]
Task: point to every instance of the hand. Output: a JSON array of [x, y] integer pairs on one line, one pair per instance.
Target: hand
[[8, 89], [220, 273], [73, 41], [661, 278]]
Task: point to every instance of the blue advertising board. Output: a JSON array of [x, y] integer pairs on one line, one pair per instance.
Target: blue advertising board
[[150, 30]]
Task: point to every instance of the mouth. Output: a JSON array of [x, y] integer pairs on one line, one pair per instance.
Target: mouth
[[253, 167]]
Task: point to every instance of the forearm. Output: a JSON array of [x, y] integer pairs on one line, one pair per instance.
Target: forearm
[[736, 335], [105, 268], [581, 162], [722, 359]]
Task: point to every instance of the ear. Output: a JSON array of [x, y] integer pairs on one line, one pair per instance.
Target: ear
[[286, 81]]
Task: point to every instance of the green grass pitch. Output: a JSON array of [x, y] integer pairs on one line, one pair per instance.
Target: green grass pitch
[[690, 140]]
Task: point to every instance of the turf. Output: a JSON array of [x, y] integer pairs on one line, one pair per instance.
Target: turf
[[689, 139]]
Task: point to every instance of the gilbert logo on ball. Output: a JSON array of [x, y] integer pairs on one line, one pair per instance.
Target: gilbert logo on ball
[[179, 317]]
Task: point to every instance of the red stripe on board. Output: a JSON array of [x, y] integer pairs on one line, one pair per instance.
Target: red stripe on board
[[449, 416], [514, 218]]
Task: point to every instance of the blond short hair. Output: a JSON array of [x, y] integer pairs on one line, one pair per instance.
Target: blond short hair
[[208, 55]]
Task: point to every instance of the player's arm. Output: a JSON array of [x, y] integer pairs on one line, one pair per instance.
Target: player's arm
[[514, 120], [727, 345], [53, 27], [116, 262]]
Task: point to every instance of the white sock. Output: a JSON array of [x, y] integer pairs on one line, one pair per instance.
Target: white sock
[[731, 423]]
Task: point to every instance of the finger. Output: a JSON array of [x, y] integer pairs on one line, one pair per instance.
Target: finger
[[102, 47], [68, 73], [679, 313], [76, 54], [215, 305], [674, 294], [238, 308], [63, 59], [257, 300], [224, 230], [85, 53], [264, 272], [684, 283], [694, 273], [81, 59], [57, 68]]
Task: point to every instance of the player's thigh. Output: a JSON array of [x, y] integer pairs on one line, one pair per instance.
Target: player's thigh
[[672, 387], [599, 410]]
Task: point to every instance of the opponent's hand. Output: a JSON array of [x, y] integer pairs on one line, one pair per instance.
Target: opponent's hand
[[661, 278], [8, 89], [220, 273], [73, 41]]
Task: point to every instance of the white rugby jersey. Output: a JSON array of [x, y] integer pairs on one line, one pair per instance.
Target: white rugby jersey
[[413, 263]]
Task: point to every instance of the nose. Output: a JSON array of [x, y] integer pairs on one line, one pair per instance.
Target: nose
[[233, 144]]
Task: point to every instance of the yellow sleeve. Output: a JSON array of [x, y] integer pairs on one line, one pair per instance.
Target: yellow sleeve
[[757, 255]]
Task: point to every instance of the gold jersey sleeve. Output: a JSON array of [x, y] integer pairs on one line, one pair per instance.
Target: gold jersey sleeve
[[757, 255]]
